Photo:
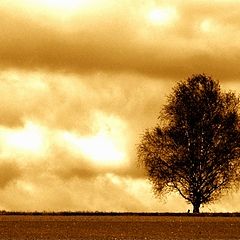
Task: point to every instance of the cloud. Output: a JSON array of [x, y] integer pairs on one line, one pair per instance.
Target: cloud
[[9, 172], [55, 172], [107, 192], [79, 103], [55, 114], [20, 97], [119, 38], [98, 77]]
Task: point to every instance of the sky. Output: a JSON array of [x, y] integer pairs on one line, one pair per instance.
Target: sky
[[80, 81]]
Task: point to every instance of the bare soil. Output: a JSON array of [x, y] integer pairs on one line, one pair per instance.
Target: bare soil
[[118, 227]]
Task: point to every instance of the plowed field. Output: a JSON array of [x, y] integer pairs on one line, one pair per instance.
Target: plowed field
[[118, 227]]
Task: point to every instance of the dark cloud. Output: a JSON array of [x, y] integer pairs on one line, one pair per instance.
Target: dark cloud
[[9, 172], [121, 40], [80, 171]]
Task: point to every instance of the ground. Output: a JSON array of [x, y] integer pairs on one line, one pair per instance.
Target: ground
[[118, 227]]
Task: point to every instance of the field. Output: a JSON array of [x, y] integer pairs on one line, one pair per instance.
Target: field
[[23, 227]]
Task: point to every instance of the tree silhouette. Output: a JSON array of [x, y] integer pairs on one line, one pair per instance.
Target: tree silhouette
[[195, 148]]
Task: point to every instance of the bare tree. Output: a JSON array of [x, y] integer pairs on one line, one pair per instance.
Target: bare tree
[[195, 148]]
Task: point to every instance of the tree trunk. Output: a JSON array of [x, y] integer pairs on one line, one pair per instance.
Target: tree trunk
[[196, 206]]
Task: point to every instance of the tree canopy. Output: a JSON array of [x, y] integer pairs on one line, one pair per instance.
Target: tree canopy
[[195, 148]]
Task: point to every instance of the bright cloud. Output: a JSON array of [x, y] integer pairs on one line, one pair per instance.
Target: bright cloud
[[81, 80], [28, 139], [162, 16]]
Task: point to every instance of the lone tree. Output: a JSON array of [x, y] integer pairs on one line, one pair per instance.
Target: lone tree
[[195, 148]]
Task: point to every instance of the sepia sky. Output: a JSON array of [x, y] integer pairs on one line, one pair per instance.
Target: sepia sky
[[80, 80]]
